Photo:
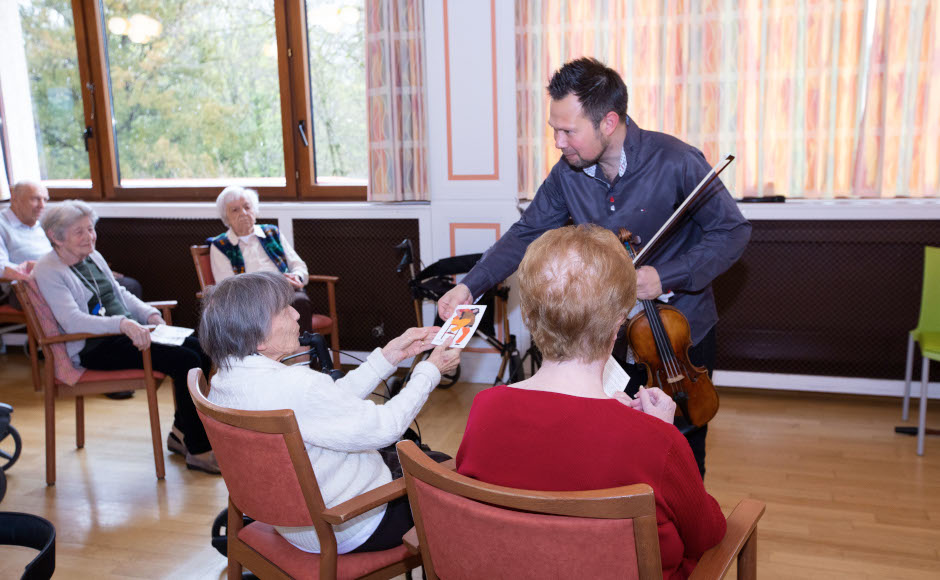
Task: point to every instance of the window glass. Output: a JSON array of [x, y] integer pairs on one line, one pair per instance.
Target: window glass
[[194, 87], [39, 67], [336, 47]]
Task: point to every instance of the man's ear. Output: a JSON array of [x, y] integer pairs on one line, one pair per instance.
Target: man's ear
[[609, 123]]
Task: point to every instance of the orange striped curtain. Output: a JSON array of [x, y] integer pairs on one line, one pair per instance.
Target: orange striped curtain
[[395, 93], [816, 99]]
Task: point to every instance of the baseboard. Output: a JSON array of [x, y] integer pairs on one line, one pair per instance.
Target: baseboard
[[822, 384]]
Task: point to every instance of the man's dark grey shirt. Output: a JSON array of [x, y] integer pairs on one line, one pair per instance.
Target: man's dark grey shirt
[[661, 171]]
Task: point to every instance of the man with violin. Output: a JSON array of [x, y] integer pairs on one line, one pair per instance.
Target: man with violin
[[617, 175]]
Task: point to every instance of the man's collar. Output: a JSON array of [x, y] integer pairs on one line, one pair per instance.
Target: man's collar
[[233, 237], [15, 221], [592, 170]]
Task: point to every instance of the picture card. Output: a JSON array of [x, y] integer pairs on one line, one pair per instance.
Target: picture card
[[461, 325]]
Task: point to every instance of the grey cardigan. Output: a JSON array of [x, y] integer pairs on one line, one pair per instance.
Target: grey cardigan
[[68, 298]]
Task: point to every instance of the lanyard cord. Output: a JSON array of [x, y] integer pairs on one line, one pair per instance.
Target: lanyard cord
[[84, 280]]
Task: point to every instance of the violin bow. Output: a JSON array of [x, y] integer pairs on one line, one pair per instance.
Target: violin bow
[[681, 210]]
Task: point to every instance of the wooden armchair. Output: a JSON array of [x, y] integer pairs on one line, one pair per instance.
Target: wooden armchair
[[10, 315], [62, 379], [325, 325], [466, 529], [269, 478]]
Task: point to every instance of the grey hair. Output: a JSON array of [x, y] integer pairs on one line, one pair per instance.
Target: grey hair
[[230, 194], [237, 314], [25, 186], [61, 216]]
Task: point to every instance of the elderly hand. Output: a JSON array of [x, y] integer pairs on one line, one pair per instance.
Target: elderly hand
[[459, 294], [155, 319], [648, 284], [657, 403], [295, 280], [139, 335], [445, 358], [412, 342]]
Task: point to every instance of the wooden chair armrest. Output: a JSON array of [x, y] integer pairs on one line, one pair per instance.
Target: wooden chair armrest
[[742, 524], [165, 307], [410, 540], [318, 278], [76, 336], [365, 502], [371, 499]]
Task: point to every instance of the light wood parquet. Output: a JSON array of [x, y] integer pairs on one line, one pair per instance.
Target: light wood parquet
[[846, 497]]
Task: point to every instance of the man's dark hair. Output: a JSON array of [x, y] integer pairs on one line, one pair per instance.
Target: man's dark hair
[[598, 88]]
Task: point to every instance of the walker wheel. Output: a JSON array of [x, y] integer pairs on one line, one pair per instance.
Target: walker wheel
[[448, 381], [9, 456]]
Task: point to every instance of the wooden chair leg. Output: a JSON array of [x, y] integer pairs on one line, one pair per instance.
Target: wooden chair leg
[[334, 344], [154, 410], [234, 525], [34, 361], [747, 559], [80, 422], [49, 398]]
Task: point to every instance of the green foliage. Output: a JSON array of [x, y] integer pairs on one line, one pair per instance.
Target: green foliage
[[201, 99]]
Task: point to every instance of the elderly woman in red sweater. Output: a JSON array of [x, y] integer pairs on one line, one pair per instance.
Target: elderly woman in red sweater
[[559, 430]]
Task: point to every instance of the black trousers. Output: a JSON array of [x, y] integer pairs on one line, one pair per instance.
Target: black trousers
[[397, 519], [118, 352], [701, 355]]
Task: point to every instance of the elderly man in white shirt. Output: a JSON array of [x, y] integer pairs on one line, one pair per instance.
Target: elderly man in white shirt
[[22, 239], [248, 247]]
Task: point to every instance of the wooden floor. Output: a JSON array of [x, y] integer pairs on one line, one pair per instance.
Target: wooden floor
[[846, 497]]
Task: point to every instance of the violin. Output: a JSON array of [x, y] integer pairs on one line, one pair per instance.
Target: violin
[[660, 337]]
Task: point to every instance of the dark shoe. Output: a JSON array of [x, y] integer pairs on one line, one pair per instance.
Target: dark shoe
[[203, 462], [174, 441], [120, 395]]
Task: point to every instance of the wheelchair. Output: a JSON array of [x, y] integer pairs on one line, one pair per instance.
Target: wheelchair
[[10, 445]]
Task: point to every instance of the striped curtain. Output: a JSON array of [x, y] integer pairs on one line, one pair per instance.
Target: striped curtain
[[816, 99], [395, 93]]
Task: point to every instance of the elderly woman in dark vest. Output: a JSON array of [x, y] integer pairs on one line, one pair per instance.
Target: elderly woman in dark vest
[[248, 247], [83, 295]]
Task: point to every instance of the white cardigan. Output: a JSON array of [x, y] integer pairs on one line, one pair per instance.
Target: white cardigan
[[341, 429]]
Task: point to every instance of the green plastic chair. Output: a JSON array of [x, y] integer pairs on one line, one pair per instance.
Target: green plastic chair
[[927, 335]]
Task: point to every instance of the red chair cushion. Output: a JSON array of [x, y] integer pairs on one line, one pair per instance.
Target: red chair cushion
[[299, 564], [121, 375], [7, 310], [469, 539], [321, 324]]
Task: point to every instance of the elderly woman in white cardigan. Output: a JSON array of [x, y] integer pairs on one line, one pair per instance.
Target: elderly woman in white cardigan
[[248, 247], [341, 429], [82, 293]]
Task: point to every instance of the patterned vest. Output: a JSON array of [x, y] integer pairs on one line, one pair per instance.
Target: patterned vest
[[271, 242]]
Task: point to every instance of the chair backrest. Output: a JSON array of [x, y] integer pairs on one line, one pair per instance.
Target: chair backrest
[[930, 298], [203, 266], [42, 324], [264, 463], [470, 529]]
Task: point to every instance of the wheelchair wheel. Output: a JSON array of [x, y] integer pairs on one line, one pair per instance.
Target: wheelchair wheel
[[449, 380], [219, 529], [3, 484], [9, 456]]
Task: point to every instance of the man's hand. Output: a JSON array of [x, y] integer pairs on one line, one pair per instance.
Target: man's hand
[[139, 335], [294, 279], [411, 343], [456, 296], [648, 285], [20, 271]]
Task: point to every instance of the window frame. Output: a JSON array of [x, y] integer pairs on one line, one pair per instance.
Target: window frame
[[295, 98]]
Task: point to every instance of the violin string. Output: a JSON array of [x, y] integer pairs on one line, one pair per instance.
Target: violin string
[[661, 339]]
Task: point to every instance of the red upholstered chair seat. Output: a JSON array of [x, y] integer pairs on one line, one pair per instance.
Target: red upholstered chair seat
[[300, 565], [121, 375], [7, 310]]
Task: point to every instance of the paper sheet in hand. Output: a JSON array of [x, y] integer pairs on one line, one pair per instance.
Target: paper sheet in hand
[[615, 378], [172, 335], [461, 325]]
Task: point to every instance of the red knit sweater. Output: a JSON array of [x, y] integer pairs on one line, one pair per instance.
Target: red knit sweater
[[554, 442]]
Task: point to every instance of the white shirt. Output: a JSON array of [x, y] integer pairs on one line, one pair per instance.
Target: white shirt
[[340, 427], [256, 259], [20, 242]]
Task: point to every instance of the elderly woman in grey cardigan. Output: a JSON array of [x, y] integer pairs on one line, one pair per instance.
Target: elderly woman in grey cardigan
[[80, 288]]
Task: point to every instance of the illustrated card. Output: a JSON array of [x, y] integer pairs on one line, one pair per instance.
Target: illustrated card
[[461, 325]]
